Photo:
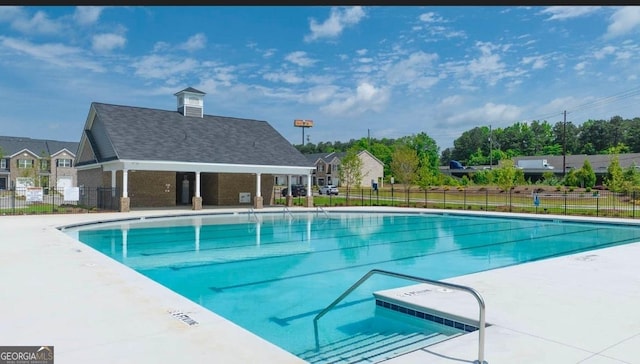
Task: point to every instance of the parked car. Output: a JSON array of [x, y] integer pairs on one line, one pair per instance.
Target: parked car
[[328, 190], [296, 190]]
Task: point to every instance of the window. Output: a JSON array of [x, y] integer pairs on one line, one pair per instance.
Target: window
[[3, 163], [44, 165], [64, 162], [25, 163]]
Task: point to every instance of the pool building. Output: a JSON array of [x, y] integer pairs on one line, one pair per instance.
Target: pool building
[[145, 157]]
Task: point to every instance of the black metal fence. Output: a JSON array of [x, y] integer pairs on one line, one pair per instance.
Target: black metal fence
[[524, 200], [23, 201]]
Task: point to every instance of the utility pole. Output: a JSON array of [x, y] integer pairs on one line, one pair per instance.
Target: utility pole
[[564, 145], [490, 148]]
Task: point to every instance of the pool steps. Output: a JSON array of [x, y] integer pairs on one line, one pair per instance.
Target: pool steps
[[371, 348]]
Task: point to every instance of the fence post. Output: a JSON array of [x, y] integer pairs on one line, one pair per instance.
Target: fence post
[[510, 190], [444, 198], [633, 204], [486, 200], [597, 204], [565, 202], [464, 194], [361, 197]]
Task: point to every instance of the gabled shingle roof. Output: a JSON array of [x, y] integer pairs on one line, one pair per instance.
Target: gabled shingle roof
[[12, 145], [137, 133]]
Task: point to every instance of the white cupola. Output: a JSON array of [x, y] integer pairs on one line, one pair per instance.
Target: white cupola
[[190, 102]]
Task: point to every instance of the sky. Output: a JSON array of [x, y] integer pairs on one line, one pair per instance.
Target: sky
[[356, 72]]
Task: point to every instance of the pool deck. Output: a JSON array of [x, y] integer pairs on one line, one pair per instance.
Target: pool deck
[[56, 291]]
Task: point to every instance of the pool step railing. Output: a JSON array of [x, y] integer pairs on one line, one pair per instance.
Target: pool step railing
[[320, 209], [287, 212], [473, 292], [373, 348], [253, 214]]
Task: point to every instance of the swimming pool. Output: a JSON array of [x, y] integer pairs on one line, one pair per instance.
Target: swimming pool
[[271, 273]]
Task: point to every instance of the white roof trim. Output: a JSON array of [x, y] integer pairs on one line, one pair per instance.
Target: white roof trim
[[143, 165]]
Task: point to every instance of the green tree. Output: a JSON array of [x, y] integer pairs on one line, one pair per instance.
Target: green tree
[[587, 175], [404, 166], [506, 175], [615, 178], [350, 171]]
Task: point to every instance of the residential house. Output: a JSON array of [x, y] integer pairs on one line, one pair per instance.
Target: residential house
[[162, 158], [328, 164], [26, 162]]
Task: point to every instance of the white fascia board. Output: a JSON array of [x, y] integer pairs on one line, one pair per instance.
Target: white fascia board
[[141, 165]]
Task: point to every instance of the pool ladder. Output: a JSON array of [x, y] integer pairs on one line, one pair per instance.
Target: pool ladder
[[318, 209], [252, 213], [453, 286], [286, 212]]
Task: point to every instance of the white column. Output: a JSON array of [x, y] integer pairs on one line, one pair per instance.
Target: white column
[[258, 187], [309, 184], [289, 185], [125, 182], [197, 184], [113, 183]]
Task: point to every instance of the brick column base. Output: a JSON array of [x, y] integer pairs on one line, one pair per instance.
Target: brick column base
[[258, 202], [308, 201], [196, 203], [125, 204], [289, 201]]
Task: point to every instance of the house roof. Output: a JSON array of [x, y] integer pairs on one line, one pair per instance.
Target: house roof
[[13, 145], [190, 89], [599, 162], [143, 134], [328, 157]]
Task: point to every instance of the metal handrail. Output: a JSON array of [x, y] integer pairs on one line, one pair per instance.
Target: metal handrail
[[318, 209], [470, 290], [287, 211], [253, 213]]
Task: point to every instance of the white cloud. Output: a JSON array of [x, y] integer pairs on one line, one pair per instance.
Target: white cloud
[[339, 19], [195, 42], [488, 63], [10, 13], [320, 94], [623, 21], [451, 100], [300, 58], [161, 46], [490, 112], [568, 12], [431, 17], [416, 71], [39, 23], [163, 67], [286, 77], [537, 62], [601, 53], [361, 52], [107, 42], [580, 67], [54, 53], [366, 97], [85, 15]]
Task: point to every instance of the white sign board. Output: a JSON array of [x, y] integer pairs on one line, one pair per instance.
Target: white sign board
[[245, 197], [71, 193], [34, 194]]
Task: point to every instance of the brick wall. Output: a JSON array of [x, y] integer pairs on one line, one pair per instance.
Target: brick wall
[[223, 189], [150, 188]]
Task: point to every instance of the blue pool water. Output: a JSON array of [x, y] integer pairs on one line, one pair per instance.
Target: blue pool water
[[271, 273]]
